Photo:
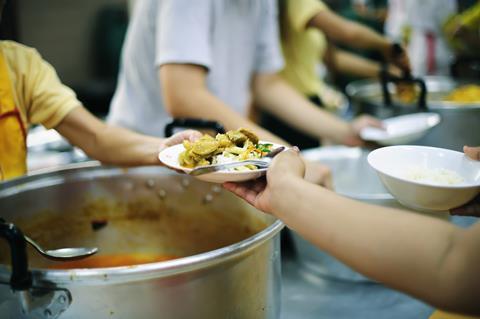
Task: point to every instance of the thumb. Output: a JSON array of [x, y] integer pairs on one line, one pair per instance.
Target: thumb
[[472, 152]]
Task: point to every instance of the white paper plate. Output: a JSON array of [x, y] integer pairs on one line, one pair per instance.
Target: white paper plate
[[401, 129], [169, 157]]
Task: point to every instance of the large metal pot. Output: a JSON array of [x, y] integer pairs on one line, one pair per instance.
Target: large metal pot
[[459, 121], [230, 258]]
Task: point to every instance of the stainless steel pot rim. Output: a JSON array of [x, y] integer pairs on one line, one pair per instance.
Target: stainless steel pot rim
[[336, 152], [368, 89], [127, 273]]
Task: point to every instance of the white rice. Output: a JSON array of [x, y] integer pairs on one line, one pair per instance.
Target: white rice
[[222, 159], [438, 176]]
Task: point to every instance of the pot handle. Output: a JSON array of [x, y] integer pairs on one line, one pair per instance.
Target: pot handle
[[21, 278], [386, 78], [193, 123]]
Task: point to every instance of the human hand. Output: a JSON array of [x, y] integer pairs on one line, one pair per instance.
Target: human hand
[[178, 138], [472, 152], [358, 124], [398, 56], [473, 207], [261, 193], [319, 174]]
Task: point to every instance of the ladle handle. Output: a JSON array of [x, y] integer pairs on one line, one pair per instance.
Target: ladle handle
[[193, 123], [21, 278], [386, 77]]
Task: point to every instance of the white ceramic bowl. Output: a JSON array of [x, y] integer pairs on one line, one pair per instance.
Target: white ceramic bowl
[[394, 163], [169, 157]]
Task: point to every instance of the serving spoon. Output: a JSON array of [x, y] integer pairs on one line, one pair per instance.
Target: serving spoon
[[63, 254], [262, 162]]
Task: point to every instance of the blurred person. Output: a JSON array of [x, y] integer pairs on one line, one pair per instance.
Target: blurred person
[[463, 31], [371, 13], [463, 35], [31, 93], [427, 258], [419, 26], [210, 60], [309, 31], [371, 9]]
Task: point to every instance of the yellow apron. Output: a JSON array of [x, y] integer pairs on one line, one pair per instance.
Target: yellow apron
[[13, 151]]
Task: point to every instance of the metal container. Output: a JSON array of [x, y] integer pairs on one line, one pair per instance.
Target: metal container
[[230, 258], [459, 121]]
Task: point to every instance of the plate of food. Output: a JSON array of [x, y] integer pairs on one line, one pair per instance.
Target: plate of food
[[232, 147], [402, 129]]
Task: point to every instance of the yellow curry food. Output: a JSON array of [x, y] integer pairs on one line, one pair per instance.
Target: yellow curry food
[[233, 146], [406, 93], [465, 94]]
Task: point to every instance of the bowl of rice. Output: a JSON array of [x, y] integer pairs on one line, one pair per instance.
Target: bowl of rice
[[426, 178]]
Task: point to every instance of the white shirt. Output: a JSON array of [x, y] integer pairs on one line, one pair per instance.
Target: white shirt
[[425, 17], [233, 39]]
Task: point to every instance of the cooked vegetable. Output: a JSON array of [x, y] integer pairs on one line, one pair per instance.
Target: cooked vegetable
[[465, 94], [238, 145]]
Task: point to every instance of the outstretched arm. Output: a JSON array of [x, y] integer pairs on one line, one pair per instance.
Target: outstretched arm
[[345, 62], [424, 257], [186, 95], [356, 35], [115, 145], [275, 95]]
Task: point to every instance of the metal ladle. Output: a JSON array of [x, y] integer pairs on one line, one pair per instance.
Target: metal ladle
[[262, 162], [63, 254]]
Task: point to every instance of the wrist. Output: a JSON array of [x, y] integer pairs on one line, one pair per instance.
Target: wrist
[[350, 136], [283, 191], [387, 49]]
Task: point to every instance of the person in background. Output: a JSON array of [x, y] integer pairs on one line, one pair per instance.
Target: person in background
[[210, 60], [419, 26], [309, 31], [31, 93], [427, 258], [463, 35], [371, 12]]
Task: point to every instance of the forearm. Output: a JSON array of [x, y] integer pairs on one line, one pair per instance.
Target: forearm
[[348, 63], [109, 144], [118, 146], [366, 38], [276, 96], [202, 104], [348, 32], [415, 254], [195, 100]]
